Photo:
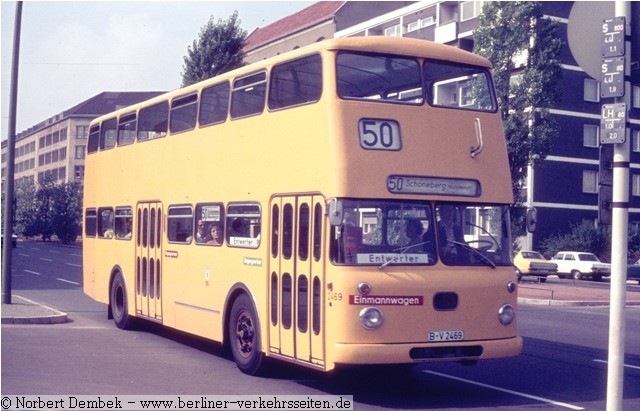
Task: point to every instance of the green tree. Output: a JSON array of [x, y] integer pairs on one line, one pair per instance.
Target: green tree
[[66, 213], [26, 208], [217, 50], [582, 237], [524, 50]]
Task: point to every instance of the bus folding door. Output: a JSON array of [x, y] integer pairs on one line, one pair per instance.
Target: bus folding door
[[296, 278], [148, 281]]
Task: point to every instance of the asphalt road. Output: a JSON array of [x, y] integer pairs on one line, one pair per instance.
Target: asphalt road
[[563, 365]]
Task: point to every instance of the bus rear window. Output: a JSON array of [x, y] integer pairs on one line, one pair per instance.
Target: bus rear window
[[379, 77], [94, 139], [455, 86]]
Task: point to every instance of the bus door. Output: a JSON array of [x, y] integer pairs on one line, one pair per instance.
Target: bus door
[[296, 278], [149, 260]]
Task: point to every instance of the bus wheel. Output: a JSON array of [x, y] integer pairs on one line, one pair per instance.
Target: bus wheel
[[118, 303], [244, 336]]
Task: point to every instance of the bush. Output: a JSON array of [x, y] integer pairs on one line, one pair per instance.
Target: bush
[[582, 237]]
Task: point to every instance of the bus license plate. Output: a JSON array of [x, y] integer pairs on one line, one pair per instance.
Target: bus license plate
[[437, 336]]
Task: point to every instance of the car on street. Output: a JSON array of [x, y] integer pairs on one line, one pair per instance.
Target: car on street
[[578, 265], [633, 271], [532, 263], [14, 241]]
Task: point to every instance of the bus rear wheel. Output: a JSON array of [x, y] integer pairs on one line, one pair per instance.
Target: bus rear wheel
[[118, 303], [244, 336]]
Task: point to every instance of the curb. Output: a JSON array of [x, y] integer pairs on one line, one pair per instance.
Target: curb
[[569, 303], [31, 312]]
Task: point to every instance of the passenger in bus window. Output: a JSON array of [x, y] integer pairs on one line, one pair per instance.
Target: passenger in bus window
[[201, 236], [215, 234]]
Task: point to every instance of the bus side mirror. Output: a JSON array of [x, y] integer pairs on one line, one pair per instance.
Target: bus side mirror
[[336, 212], [532, 217]]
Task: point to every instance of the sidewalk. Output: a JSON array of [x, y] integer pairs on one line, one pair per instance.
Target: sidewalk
[[24, 311], [568, 294]]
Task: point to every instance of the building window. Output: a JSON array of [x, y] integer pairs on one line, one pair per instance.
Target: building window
[[413, 26], [589, 181], [393, 31], [591, 90], [635, 185], [80, 150], [79, 172], [470, 9], [82, 132], [590, 134], [429, 21]]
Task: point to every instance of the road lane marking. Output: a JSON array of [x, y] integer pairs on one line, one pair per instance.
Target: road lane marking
[[67, 281], [32, 272], [24, 255], [74, 265], [493, 387], [77, 255], [635, 367], [46, 259]]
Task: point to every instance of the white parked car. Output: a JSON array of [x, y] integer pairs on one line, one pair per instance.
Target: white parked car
[[577, 265]]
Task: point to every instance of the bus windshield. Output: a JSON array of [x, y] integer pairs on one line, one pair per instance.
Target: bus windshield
[[394, 79], [386, 233]]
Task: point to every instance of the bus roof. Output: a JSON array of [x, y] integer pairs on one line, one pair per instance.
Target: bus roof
[[377, 44]]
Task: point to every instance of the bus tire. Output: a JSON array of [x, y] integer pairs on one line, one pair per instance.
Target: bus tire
[[244, 336], [118, 303]]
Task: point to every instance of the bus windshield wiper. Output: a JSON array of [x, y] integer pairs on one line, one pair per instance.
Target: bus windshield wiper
[[469, 248]]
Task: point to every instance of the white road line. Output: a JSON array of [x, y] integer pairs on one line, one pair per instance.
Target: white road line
[[67, 281], [24, 255], [32, 272], [46, 259], [74, 265], [76, 255], [635, 367], [520, 394]]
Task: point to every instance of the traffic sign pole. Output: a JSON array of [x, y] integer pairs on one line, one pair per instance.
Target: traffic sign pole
[[620, 204]]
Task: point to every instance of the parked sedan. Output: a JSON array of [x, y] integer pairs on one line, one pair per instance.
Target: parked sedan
[[533, 263], [577, 265]]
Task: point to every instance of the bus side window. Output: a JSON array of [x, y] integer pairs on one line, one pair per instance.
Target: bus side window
[[184, 110], [248, 96], [243, 225], [90, 221], [209, 224], [127, 129], [214, 104], [180, 221], [108, 134], [94, 139], [296, 82], [105, 222], [153, 121], [123, 223]]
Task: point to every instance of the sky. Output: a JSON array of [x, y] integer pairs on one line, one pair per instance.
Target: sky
[[71, 51]]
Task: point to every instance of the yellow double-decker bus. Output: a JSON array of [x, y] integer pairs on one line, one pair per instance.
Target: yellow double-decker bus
[[344, 203]]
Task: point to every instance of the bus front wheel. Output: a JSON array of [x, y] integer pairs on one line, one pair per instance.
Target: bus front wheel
[[118, 303], [244, 336]]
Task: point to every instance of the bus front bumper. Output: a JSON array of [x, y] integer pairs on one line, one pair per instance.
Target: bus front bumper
[[465, 351]]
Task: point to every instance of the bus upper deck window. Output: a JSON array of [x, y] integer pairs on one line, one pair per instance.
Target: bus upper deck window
[[184, 110], [378, 77], [214, 104], [108, 134], [455, 86], [94, 139], [296, 82], [153, 121], [248, 96], [127, 129]]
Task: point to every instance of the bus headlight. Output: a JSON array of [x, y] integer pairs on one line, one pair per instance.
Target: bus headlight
[[371, 318], [506, 314]]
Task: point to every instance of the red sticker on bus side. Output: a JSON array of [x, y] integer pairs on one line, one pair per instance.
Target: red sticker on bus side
[[170, 254], [385, 300]]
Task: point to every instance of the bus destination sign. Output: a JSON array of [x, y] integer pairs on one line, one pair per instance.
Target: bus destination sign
[[401, 184]]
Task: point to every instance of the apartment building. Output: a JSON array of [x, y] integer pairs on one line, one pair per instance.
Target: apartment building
[[58, 145], [564, 188]]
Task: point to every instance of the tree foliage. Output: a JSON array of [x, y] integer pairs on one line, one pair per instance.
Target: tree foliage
[[524, 50], [217, 50], [48, 208], [582, 237]]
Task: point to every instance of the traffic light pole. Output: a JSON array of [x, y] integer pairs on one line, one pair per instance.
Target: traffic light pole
[[619, 235]]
